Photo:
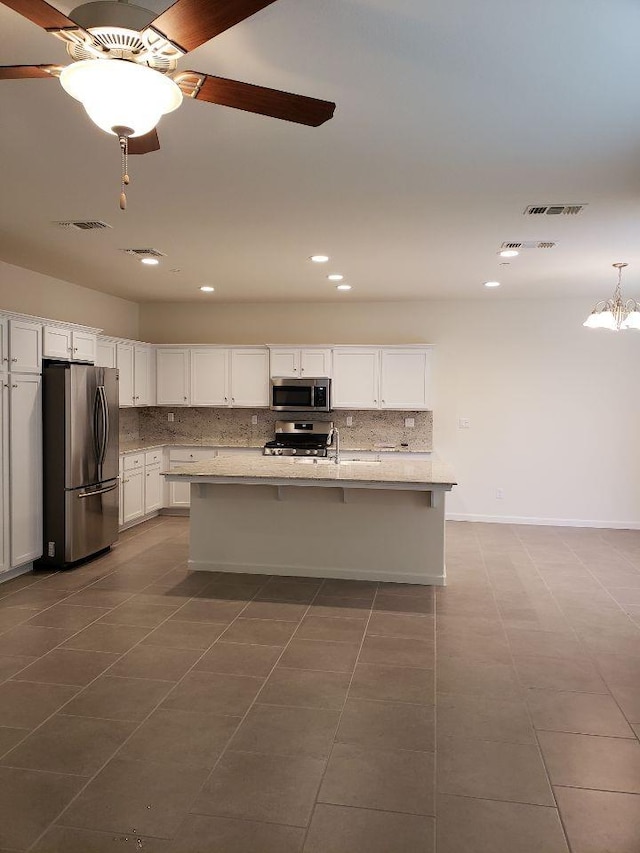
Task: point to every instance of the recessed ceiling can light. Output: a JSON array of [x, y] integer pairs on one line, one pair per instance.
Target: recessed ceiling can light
[[492, 284], [150, 262], [335, 277], [319, 259], [207, 288], [509, 253], [343, 287]]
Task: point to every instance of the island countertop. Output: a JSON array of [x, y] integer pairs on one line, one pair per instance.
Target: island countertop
[[419, 474]]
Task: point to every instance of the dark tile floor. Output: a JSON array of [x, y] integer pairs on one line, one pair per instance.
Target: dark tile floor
[[146, 707]]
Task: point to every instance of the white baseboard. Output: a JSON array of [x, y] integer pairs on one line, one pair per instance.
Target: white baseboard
[[14, 573], [543, 522], [328, 572]]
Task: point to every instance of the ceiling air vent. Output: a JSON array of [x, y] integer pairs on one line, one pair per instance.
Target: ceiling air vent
[[528, 244], [83, 225], [554, 209], [146, 253]]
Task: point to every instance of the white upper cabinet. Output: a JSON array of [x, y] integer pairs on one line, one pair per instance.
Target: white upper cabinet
[[250, 377], [25, 346], [296, 362], [405, 378], [172, 385], [210, 377], [106, 353], [84, 346], [142, 376], [124, 363], [68, 344], [25, 460], [356, 375]]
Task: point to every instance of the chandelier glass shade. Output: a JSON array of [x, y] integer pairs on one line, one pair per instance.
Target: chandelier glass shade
[[615, 313], [118, 94]]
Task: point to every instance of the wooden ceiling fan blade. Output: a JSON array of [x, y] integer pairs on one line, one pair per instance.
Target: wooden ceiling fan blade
[[190, 23], [26, 72], [257, 99], [144, 144], [41, 13]]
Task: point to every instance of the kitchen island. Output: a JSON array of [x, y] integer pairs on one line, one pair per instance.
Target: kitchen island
[[360, 519]]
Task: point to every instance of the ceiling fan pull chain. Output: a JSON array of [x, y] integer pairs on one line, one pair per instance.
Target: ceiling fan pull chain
[[124, 150]]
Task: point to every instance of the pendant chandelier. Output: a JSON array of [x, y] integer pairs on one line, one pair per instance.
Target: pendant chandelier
[[614, 314]]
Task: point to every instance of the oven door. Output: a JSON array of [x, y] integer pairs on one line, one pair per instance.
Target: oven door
[[292, 395]]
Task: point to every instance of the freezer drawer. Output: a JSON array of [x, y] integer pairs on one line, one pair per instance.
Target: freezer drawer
[[91, 520]]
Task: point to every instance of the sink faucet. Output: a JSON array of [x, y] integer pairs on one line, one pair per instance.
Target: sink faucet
[[336, 438]]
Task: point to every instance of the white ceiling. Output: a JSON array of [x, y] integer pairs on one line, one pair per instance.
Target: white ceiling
[[452, 117]]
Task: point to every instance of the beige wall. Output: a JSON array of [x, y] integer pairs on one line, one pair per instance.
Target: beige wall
[[33, 293], [553, 407]]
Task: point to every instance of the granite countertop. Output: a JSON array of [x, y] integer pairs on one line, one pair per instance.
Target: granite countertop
[[141, 444], [419, 474]]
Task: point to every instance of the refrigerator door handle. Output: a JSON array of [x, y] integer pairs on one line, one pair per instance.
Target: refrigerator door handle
[[105, 423], [98, 491], [97, 422]]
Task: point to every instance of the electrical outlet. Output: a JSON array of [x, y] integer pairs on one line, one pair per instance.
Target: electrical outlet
[[349, 420], [171, 417], [254, 419], [499, 494], [409, 423], [464, 423]]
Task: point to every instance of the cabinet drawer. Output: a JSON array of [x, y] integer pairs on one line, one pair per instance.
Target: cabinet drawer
[[191, 454], [153, 457], [134, 461]]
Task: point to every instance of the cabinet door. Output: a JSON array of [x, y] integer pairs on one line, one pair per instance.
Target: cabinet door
[[106, 354], [315, 362], [84, 346], [4, 345], [405, 379], [5, 562], [25, 346], [284, 362], [124, 362], [25, 468], [132, 496], [57, 343], [209, 377], [180, 494], [250, 377], [121, 491], [152, 489], [355, 378], [172, 377], [142, 376]]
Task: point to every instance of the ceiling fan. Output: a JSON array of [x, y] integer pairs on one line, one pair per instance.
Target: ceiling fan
[[124, 66]]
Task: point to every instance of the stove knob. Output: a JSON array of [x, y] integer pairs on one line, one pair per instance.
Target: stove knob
[[279, 451], [293, 452], [315, 452], [308, 452]]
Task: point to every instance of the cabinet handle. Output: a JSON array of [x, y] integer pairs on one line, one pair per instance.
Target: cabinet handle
[[233, 399], [384, 401], [14, 386], [226, 400], [75, 349], [14, 360], [375, 401], [184, 398], [4, 358]]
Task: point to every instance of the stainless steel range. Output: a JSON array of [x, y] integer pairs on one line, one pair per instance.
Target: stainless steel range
[[300, 438]]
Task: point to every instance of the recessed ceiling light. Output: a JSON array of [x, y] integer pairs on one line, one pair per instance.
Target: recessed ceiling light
[[492, 284], [509, 253], [150, 262], [335, 277], [207, 289], [343, 287], [319, 259]]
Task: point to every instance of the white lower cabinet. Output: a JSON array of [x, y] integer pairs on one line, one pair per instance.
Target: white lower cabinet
[[132, 495], [180, 493], [152, 489], [5, 560], [25, 467]]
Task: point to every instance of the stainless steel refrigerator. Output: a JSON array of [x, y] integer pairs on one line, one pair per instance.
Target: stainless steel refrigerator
[[80, 435]]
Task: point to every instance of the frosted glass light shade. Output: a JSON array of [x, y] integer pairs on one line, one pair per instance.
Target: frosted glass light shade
[[118, 93], [607, 321], [632, 321], [593, 320]]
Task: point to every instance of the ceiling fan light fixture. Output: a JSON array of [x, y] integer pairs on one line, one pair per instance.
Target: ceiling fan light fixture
[[120, 94], [149, 262]]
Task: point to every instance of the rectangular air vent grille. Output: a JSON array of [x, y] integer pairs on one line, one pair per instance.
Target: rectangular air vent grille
[[529, 244], [83, 224], [554, 209], [147, 253]]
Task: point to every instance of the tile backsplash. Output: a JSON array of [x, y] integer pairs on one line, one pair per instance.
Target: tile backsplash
[[233, 427]]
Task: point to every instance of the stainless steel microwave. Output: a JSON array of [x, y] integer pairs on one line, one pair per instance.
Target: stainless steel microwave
[[301, 395]]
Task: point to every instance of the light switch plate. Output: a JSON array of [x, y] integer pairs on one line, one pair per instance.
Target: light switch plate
[[170, 417], [254, 419], [349, 420], [464, 423], [409, 423]]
